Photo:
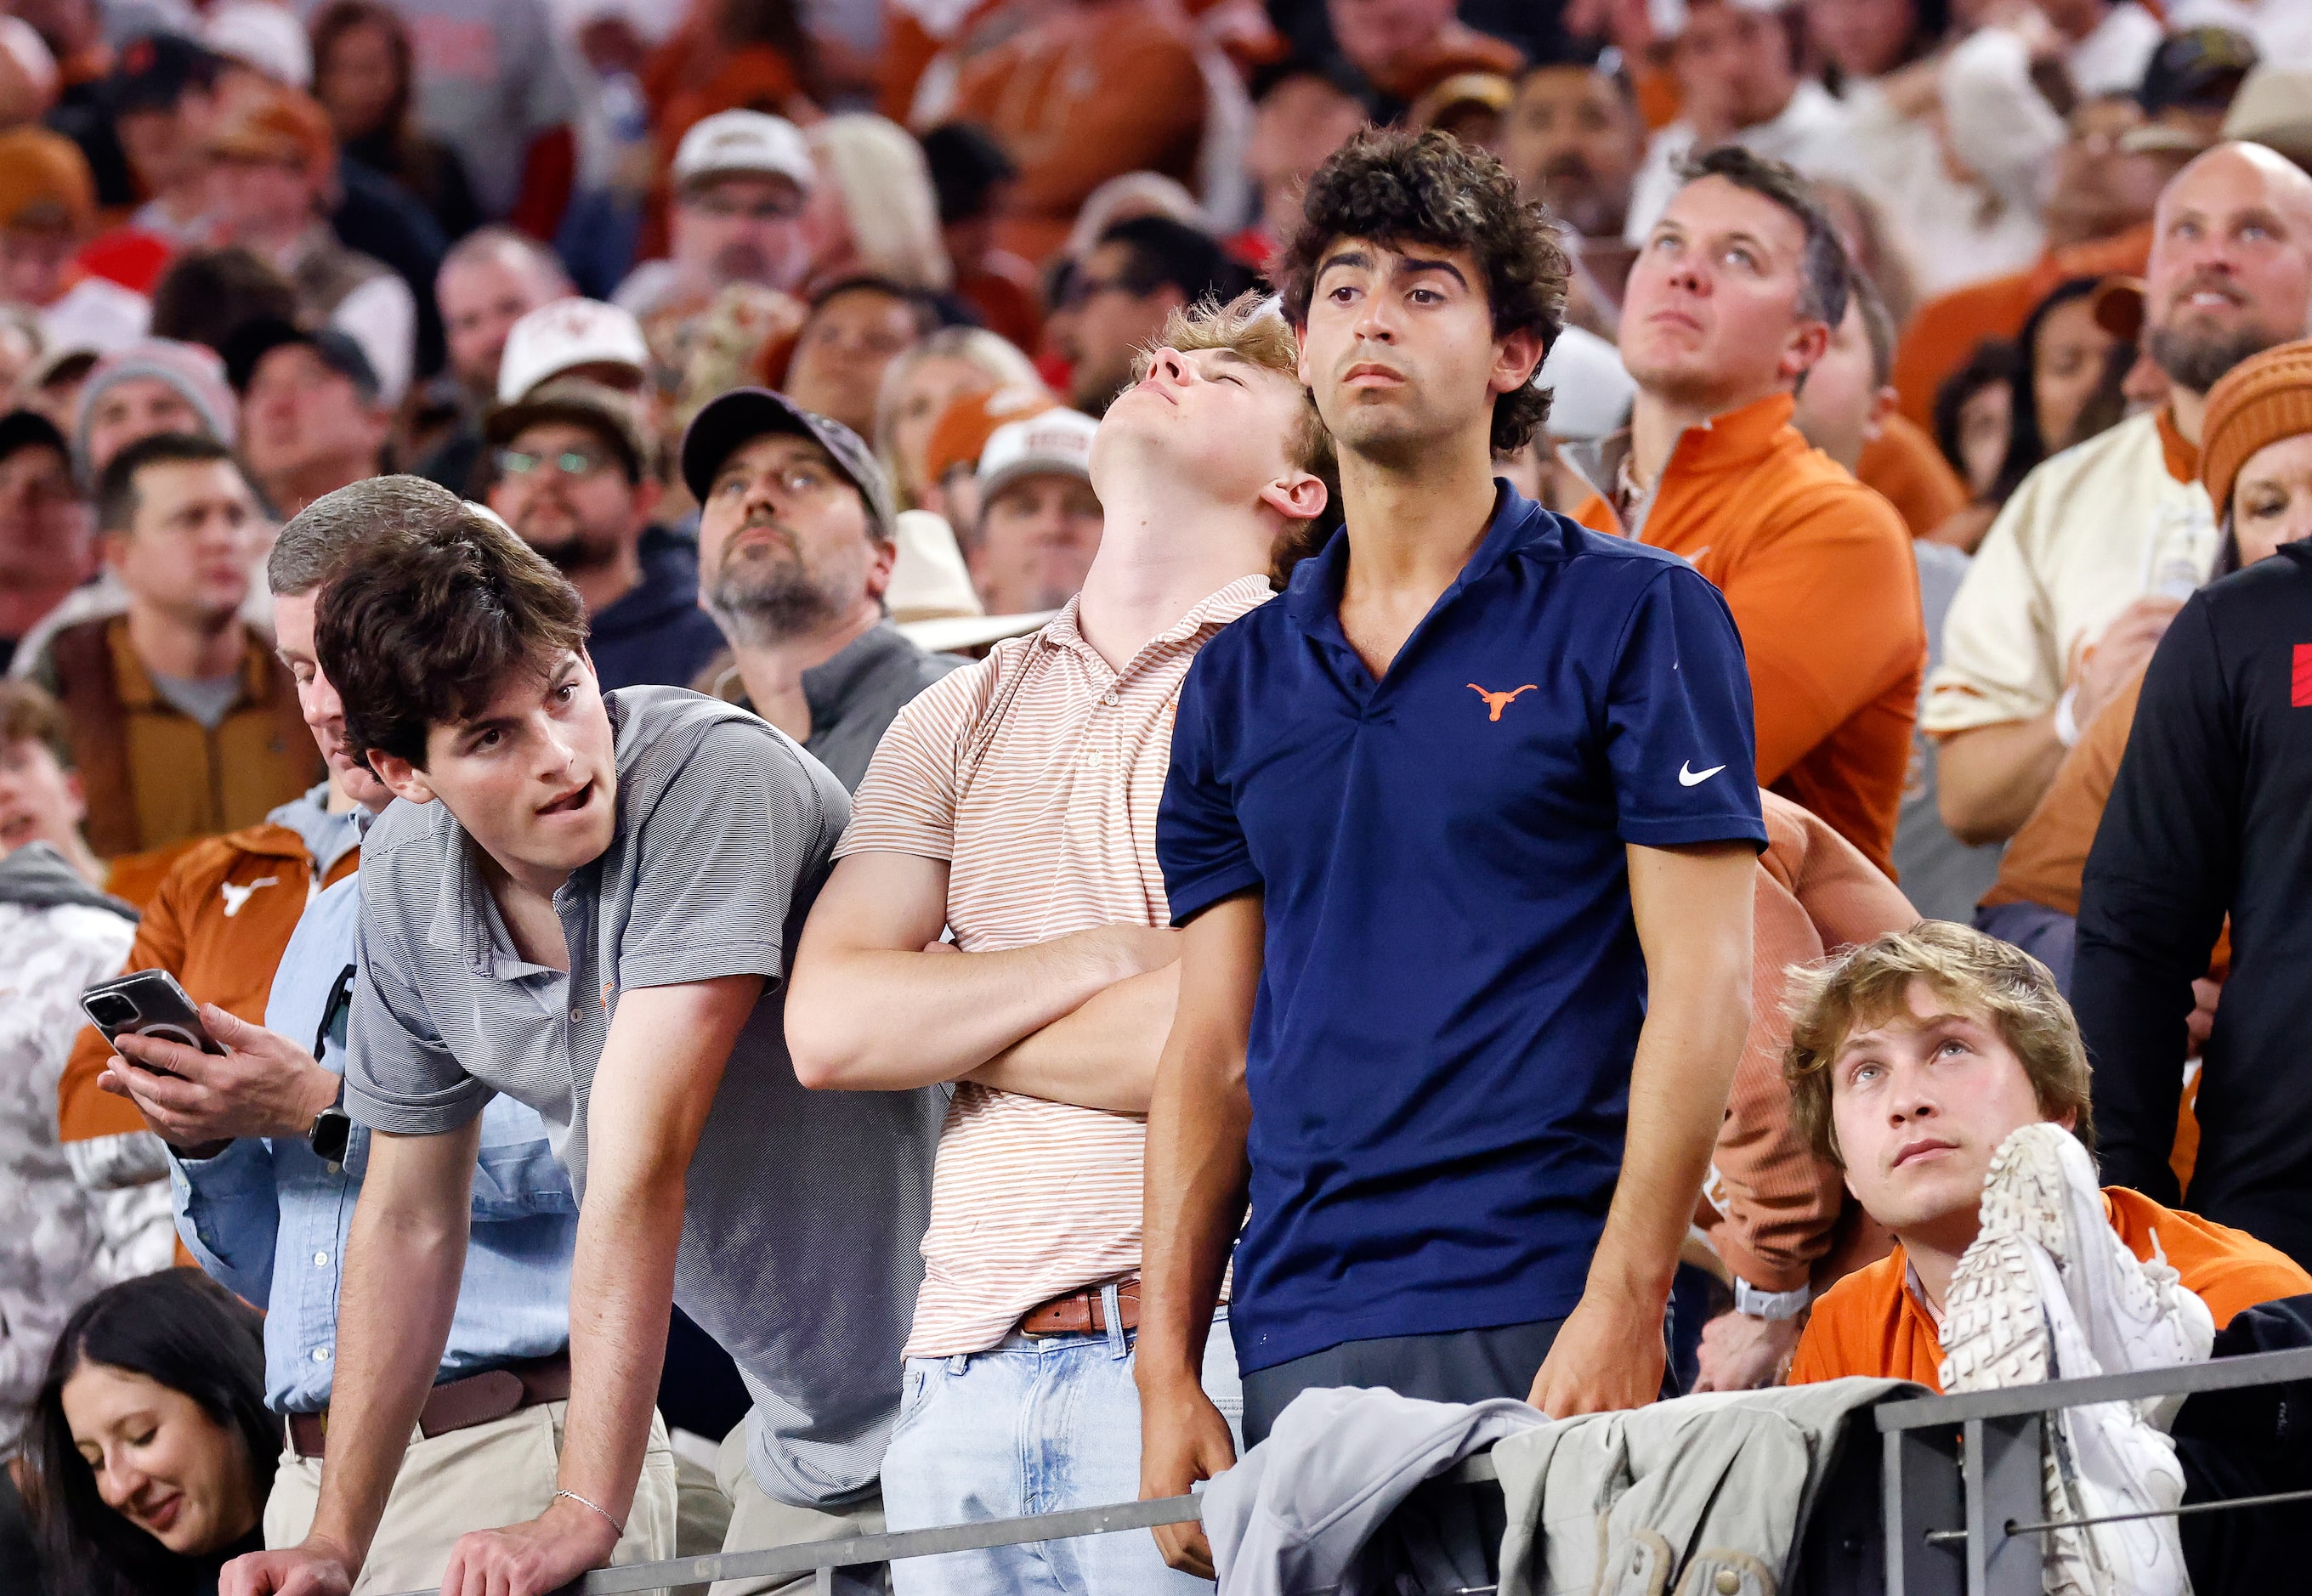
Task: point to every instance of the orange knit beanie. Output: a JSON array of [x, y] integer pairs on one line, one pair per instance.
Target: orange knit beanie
[[2262, 400]]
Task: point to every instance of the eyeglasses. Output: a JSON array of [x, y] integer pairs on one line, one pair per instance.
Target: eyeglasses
[[570, 462], [801, 479]]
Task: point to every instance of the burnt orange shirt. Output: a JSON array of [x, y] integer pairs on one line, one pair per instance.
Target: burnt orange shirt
[[1870, 1323], [222, 945], [1902, 466], [1818, 571]]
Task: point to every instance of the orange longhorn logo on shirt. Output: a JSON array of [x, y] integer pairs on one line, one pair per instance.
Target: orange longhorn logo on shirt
[[1498, 702]]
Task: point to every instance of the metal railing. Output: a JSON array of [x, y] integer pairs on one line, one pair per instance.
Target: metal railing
[[836, 1562], [1959, 1499], [1962, 1494]]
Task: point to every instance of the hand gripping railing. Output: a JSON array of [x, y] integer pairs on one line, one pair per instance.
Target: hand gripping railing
[[838, 1564], [1959, 1492], [1964, 1504]]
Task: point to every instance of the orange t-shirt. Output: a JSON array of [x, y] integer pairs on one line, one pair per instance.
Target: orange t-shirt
[[1870, 1323], [1824, 590], [1903, 466]]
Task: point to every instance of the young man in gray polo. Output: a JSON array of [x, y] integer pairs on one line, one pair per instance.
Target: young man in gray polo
[[586, 902]]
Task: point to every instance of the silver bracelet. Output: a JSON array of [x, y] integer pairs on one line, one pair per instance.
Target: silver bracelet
[[597, 1506]]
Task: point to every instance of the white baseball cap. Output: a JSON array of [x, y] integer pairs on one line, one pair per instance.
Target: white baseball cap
[[1057, 441], [751, 142], [555, 337]]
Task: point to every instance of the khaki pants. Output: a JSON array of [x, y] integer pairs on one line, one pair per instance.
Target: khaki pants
[[758, 1523], [484, 1478], [702, 1514]]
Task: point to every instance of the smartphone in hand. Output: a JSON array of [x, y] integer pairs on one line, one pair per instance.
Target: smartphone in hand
[[147, 1003]]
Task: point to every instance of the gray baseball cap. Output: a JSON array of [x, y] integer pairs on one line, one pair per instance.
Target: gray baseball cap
[[730, 420]]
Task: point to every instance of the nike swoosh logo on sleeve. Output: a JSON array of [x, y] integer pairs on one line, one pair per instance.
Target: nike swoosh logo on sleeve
[[1687, 776]]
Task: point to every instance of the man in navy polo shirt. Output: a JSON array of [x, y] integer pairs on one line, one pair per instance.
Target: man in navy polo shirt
[[1463, 833]]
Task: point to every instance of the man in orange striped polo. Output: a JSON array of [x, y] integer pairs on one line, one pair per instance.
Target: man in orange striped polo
[[1013, 804]]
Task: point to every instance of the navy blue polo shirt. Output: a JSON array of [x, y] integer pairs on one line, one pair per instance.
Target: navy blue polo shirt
[[1441, 1048]]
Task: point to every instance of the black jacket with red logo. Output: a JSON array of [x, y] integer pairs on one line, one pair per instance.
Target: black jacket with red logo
[[2212, 815]]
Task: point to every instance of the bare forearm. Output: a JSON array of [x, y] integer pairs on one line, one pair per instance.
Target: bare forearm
[[402, 1270], [1197, 1173], [863, 1019], [1103, 1056], [621, 1285], [1989, 779], [1687, 1051]]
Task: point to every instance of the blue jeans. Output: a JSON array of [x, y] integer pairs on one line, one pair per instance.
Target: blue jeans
[[1035, 1425]]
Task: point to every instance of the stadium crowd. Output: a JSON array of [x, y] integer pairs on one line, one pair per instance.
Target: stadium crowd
[[680, 622]]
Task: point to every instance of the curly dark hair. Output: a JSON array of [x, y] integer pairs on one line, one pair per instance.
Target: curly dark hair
[[1397, 188]]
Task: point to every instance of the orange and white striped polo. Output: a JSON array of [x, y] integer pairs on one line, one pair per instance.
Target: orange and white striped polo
[[1036, 775]]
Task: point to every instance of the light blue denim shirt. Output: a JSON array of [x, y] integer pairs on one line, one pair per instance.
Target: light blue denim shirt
[[268, 1219]]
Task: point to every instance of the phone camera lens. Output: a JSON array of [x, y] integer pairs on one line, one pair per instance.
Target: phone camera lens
[[111, 1008]]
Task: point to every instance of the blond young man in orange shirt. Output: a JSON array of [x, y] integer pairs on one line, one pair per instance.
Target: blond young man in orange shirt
[[1942, 1070]]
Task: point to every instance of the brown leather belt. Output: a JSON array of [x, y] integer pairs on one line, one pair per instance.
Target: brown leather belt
[[458, 1404], [1079, 1312]]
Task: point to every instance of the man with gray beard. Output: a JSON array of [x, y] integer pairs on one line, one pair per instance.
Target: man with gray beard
[[795, 546], [570, 474], [2093, 556]]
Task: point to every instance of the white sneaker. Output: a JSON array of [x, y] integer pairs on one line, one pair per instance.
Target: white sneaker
[[2042, 1186], [1995, 1338], [2009, 1323], [2011, 1320], [2110, 1460]]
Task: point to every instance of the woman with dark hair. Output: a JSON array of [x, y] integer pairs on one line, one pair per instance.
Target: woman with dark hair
[[150, 1446], [362, 75], [2063, 359], [1973, 415]]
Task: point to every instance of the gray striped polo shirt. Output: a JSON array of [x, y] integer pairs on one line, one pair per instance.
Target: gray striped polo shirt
[[805, 1210]]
